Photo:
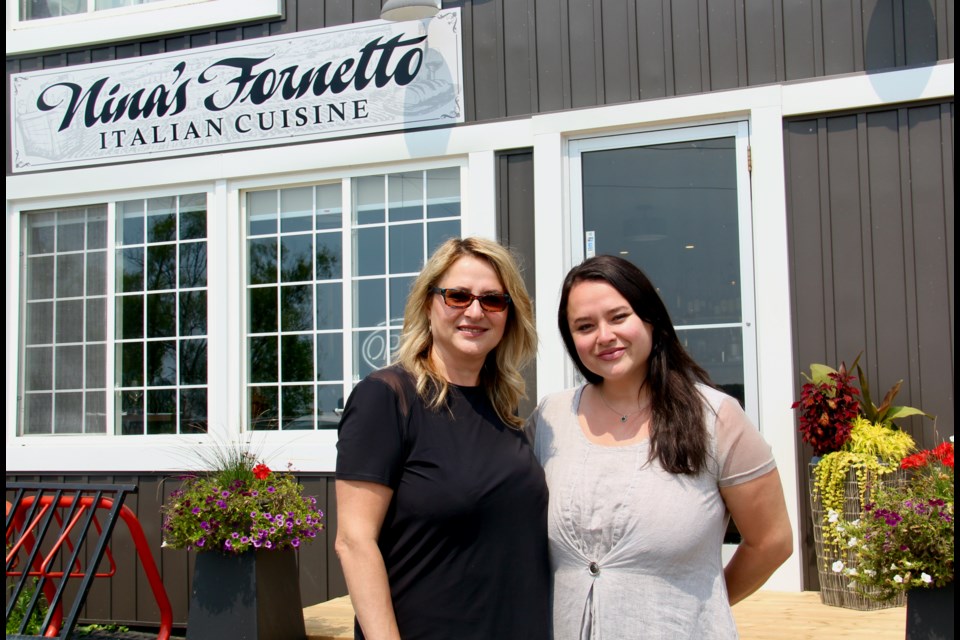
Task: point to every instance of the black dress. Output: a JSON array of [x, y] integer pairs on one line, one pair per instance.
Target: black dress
[[464, 538]]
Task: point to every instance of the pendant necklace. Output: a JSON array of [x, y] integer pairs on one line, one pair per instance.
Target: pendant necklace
[[623, 416]]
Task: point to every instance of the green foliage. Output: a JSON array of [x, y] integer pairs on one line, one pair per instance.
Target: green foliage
[[88, 629], [240, 504], [879, 441], [904, 539], [872, 452], [886, 413], [20, 610]]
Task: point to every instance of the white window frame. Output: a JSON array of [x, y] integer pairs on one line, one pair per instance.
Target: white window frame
[[226, 303], [345, 178], [125, 23]]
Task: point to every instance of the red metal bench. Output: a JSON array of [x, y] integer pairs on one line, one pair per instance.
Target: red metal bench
[[50, 542]]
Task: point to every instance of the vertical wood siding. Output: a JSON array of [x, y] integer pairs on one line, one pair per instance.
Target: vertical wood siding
[[871, 217], [515, 229], [126, 598], [533, 56]]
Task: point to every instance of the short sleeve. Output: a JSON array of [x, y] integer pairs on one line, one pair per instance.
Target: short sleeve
[[370, 435], [743, 453]]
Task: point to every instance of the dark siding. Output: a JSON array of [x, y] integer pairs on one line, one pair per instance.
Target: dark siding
[[871, 220], [126, 598], [532, 56], [515, 229]]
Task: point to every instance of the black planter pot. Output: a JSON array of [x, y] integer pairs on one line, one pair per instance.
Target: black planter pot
[[251, 596], [930, 613]]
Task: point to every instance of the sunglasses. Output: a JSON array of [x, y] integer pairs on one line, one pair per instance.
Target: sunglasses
[[460, 299]]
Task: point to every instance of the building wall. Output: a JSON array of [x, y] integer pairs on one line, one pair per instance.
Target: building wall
[[871, 214], [851, 241], [536, 56]]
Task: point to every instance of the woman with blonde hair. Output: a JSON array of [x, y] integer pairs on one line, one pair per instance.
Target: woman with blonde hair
[[441, 503]]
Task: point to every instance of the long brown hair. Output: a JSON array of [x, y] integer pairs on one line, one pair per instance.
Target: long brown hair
[[500, 376], [678, 434]]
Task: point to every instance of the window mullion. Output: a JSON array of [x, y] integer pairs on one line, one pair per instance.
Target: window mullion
[[346, 215], [110, 331]]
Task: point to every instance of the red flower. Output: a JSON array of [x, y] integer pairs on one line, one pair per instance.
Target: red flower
[[915, 461], [261, 471], [943, 453]]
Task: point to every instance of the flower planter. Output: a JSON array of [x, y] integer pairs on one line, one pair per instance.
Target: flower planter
[[249, 596], [930, 613], [835, 589]]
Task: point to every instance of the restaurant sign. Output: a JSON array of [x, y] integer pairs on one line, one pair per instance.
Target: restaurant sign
[[356, 79]]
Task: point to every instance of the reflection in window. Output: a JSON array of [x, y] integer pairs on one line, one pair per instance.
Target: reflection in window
[[297, 280], [64, 344], [158, 303], [673, 210], [161, 315]]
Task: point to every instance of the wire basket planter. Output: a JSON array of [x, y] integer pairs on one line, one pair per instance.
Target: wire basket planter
[[835, 589]]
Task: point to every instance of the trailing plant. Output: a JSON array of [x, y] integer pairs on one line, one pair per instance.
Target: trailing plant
[[872, 451]]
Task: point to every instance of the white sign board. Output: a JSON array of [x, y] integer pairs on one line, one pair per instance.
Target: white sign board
[[356, 79]]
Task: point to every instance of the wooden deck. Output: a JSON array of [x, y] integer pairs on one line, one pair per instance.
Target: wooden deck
[[766, 615]]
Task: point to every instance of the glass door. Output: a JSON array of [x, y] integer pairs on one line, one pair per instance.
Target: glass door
[[676, 203]]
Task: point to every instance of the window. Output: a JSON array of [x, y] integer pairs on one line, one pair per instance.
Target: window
[[676, 204], [326, 291], [116, 303], [63, 364], [132, 329], [161, 315], [37, 9], [47, 25]]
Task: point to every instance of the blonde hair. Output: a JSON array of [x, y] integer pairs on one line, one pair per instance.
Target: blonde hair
[[500, 376]]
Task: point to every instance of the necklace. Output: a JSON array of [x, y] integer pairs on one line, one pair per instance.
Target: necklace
[[623, 416]]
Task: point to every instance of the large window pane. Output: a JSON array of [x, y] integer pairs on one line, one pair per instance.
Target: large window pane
[[296, 258], [369, 251], [329, 256], [297, 284], [368, 198], [406, 248], [329, 306], [369, 303], [63, 370], [155, 368], [673, 209], [405, 196], [443, 193], [296, 209]]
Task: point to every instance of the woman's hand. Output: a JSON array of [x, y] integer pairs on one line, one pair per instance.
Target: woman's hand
[[760, 513], [361, 508]]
